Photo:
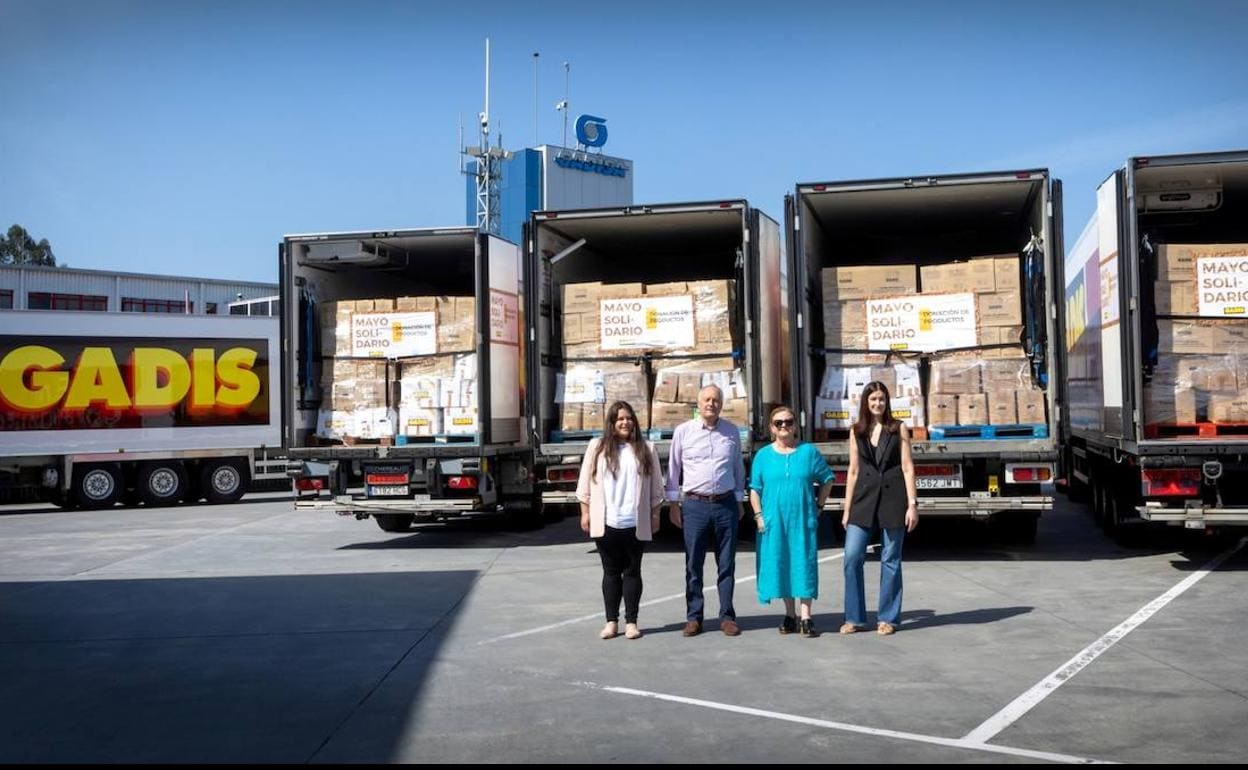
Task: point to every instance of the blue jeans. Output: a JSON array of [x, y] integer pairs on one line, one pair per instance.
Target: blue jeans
[[703, 522], [890, 575]]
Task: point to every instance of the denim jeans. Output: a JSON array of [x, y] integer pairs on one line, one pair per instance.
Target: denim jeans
[[705, 522], [890, 575]]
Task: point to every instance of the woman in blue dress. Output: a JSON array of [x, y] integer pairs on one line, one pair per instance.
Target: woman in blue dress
[[789, 482]]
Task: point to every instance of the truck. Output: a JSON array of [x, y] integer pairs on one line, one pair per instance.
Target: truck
[[98, 408], [897, 280], [1155, 353], [646, 303], [402, 394]]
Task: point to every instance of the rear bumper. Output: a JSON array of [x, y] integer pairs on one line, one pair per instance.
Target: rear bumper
[[976, 507], [347, 506], [1195, 516]]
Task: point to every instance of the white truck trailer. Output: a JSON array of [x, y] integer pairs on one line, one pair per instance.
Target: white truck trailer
[[1155, 353], [944, 287], [100, 408]]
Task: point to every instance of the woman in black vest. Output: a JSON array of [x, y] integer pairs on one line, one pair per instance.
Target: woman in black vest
[[879, 492]]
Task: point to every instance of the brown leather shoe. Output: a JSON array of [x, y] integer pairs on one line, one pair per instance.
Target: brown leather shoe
[[729, 627], [692, 628]]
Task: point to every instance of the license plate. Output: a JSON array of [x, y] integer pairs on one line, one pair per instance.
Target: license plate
[[1194, 524], [938, 482], [389, 491]]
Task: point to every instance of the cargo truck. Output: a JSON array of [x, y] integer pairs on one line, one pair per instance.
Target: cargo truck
[[647, 304], [941, 287], [101, 408], [1155, 350], [402, 393]]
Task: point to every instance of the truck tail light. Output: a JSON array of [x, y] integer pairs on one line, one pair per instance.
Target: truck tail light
[[935, 470], [310, 483], [462, 482], [1171, 482], [1028, 474], [562, 474]]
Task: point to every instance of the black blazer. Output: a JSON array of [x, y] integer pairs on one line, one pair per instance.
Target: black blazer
[[880, 492]]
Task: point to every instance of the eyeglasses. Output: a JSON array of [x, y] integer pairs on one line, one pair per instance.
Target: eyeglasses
[[782, 423]]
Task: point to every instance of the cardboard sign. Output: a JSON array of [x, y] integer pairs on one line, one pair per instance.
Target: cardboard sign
[[643, 323], [504, 317], [391, 335], [922, 322], [1222, 286]]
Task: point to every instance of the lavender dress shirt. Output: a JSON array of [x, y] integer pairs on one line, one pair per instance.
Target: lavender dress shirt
[[706, 461]]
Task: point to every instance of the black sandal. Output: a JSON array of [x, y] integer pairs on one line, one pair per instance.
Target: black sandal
[[808, 628], [788, 625]]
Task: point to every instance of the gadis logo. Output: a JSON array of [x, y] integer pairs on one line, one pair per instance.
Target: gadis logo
[[591, 131]]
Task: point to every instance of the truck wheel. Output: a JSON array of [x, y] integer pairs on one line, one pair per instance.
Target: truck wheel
[[1098, 504], [161, 483], [223, 481], [1122, 524], [394, 522], [97, 486]]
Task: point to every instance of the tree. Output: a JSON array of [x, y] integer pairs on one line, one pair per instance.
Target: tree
[[18, 248]]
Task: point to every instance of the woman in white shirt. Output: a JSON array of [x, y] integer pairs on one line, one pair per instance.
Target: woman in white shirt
[[621, 494]]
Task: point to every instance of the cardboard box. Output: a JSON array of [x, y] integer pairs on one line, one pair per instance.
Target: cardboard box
[[854, 359], [383, 305], [1007, 373], [909, 411], [375, 422], [666, 416], [977, 275], [416, 421], [1227, 335], [416, 304], [1031, 409], [1185, 337], [886, 375], [865, 281], [1176, 298], [581, 297], [593, 416], [713, 313], [1169, 406], [956, 376], [456, 324], [666, 383], [973, 409], [1004, 308], [571, 417], [460, 421], [672, 289], [736, 411], [848, 317], [1006, 269], [625, 385], [1225, 407], [1000, 335], [846, 341], [688, 385], [334, 424], [1176, 262], [942, 409], [835, 413], [620, 290], [1002, 408], [1213, 374], [363, 305]]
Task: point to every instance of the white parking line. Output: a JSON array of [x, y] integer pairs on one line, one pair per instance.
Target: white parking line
[[952, 743], [1032, 698], [598, 615]]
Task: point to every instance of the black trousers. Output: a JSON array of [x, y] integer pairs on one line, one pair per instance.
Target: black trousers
[[621, 552]]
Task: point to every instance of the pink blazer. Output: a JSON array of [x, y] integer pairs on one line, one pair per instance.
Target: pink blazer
[[649, 493]]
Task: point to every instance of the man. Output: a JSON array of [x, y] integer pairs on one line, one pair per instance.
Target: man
[[706, 483]]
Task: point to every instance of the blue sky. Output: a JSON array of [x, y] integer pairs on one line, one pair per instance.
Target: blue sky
[[188, 137]]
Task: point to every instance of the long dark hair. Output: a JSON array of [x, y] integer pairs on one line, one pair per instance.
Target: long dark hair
[[610, 444], [890, 423]]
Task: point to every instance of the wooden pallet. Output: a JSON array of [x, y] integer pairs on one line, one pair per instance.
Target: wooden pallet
[[438, 438], [985, 432], [1196, 430]]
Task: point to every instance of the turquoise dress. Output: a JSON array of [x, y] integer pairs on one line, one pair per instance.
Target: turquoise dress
[[787, 550]]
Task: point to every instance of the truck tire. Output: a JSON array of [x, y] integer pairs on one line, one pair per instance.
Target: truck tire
[[1122, 524], [525, 513], [97, 486], [394, 522], [223, 481], [161, 483]]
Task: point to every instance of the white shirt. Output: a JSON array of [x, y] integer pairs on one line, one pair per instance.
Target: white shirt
[[620, 491]]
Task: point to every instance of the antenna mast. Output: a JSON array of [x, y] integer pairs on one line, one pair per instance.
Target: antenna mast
[[488, 168]]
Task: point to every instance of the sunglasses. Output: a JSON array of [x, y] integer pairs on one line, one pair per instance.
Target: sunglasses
[[782, 423]]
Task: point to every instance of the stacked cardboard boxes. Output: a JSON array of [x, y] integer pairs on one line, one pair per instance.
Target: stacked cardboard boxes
[[366, 396], [965, 389], [838, 401], [712, 325], [1198, 388], [584, 391], [845, 294], [678, 382]]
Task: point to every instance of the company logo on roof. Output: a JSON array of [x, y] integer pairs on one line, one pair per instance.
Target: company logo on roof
[[593, 164], [591, 131]]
